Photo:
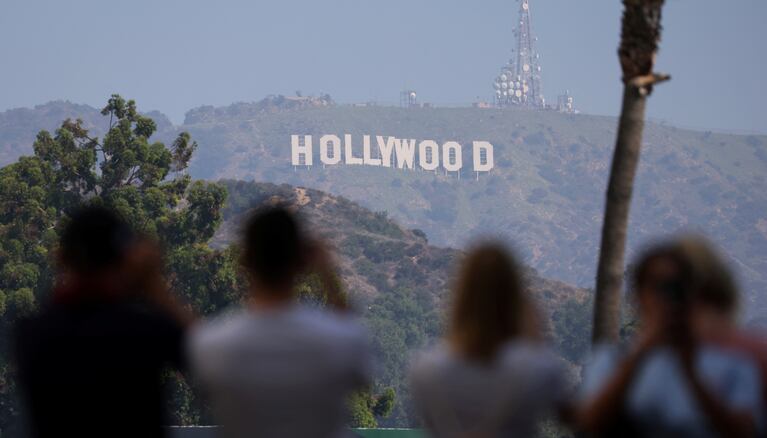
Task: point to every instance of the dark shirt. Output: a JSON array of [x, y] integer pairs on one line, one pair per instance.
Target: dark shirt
[[94, 369]]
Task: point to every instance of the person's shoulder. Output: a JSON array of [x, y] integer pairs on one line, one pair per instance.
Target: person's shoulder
[[27, 330], [748, 341], [137, 313], [720, 357], [47, 315], [600, 364], [735, 374], [530, 355], [427, 362], [331, 324], [427, 371], [605, 355], [218, 330], [522, 349], [28, 324], [48, 321], [532, 361]]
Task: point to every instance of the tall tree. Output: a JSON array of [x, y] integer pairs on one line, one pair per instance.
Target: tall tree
[[640, 35], [143, 180]]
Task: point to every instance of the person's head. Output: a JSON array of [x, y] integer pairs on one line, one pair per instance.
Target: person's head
[[95, 241], [274, 250], [663, 281], [715, 285], [489, 302]]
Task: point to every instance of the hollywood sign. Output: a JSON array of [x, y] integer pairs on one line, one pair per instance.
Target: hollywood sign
[[390, 152]]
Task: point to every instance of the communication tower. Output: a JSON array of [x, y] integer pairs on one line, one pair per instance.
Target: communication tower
[[565, 103], [408, 99], [519, 83]]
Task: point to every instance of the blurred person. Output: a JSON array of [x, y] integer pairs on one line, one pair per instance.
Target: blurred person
[[490, 376], [279, 368], [671, 381], [90, 363], [716, 305]]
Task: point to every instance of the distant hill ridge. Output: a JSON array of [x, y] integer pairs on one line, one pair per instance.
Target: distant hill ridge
[[19, 126], [546, 192]]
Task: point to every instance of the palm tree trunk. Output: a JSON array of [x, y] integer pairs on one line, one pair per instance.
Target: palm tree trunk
[[614, 229], [639, 44]]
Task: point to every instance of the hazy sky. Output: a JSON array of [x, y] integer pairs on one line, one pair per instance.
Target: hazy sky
[[175, 55]]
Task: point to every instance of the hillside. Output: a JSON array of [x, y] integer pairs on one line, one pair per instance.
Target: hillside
[[545, 193], [375, 253], [397, 278]]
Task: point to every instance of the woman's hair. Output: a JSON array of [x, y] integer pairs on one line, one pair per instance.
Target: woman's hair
[[715, 285], [489, 302]]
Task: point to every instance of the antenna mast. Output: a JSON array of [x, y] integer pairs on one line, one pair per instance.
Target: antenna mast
[[519, 83]]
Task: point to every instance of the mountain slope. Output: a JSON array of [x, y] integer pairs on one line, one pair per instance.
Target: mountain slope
[[375, 253], [546, 191], [18, 127]]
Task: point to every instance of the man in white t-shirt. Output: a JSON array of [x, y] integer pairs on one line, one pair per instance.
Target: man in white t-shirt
[[279, 368]]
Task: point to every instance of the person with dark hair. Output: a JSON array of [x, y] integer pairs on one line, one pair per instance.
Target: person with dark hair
[[279, 368], [670, 382], [90, 362], [490, 376]]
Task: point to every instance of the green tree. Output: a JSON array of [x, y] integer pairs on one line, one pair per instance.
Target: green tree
[[572, 328], [145, 181], [365, 407]]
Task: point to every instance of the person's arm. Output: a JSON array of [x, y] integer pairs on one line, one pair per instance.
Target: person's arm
[[333, 290], [321, 262], [600, 410], [418, 377], [145, 268], [165, 301], [726, 421]]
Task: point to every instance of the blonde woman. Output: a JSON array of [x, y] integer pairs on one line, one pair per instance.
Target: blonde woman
[[489, 377]]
